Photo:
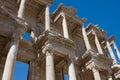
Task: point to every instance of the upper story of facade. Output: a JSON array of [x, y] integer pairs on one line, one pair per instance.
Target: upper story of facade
[[34, 17]]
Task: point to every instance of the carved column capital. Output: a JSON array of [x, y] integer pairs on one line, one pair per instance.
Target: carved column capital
[[48, 48], [90, 64]]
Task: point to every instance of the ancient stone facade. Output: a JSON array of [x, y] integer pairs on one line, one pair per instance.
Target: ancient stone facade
[[59, 44]]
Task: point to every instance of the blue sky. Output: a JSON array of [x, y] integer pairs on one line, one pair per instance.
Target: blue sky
[[105, 13]]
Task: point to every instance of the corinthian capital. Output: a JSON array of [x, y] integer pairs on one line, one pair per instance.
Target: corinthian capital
[[48, 48]]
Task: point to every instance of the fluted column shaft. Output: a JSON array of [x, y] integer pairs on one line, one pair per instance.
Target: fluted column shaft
[[10, 61], [116, 49], [96, 74], [110, 51], [50, 73], [21, 9], [65, 27], [87, 43], [47, 18], [72, 73]]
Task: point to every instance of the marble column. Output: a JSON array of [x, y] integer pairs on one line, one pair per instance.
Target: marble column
[[72, 73], [96, 74], [21, 9], [10, 61], [97, 43], [47, 18], [65, 27], [110, 51], [116, 49], [87, 43], [50, 73]]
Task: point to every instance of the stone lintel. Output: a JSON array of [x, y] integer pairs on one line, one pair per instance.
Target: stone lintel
[[62, 40], [102, 62], [87, 56], [47, 36], [61, 8], [70, 12], [91, 26], [59, 49], [98, 61], [14, 26], [17, 21]]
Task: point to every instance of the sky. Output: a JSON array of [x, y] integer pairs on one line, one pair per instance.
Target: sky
[[105, 13]]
